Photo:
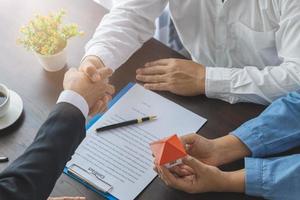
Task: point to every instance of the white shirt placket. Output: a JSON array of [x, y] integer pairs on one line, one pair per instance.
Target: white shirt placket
[[220, 34]]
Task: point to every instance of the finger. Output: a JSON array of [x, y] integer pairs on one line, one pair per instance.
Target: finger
[[95, 109], [157, 86], [109, 97], [188, 139], [196, 165], [180, 171], [171, 180], [176, 170], [187, 168], [151, 78], [102, 105], [105, 73], [153, 70], [184, 173], [102, 108], [158, 62], [162, 176], [91, 72], [106, 100], [110, 89]]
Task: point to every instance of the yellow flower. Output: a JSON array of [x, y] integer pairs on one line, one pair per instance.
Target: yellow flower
[[46, 34]]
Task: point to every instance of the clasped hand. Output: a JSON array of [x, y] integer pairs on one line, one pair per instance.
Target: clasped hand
[[97, 91]]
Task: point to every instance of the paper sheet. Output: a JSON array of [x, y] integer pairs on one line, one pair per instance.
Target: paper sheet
[[122, 156]]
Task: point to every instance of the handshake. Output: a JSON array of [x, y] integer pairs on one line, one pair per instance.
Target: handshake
[[91, 82], [179, 76]]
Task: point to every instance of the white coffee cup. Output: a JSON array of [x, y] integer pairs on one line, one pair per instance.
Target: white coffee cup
[[4, 105]]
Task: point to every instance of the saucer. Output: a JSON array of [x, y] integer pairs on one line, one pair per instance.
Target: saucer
[[14, 111]]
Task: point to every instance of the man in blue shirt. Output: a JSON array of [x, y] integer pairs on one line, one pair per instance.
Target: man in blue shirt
[[276, 130]]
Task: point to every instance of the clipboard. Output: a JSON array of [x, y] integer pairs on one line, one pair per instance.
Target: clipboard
[[79, 178]]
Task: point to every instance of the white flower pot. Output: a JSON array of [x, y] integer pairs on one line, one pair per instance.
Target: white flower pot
[[53, 63]]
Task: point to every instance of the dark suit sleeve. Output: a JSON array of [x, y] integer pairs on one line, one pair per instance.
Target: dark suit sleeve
[[33, 175]]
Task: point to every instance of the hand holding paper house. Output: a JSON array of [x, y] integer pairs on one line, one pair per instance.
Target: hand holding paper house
[[168, 151]]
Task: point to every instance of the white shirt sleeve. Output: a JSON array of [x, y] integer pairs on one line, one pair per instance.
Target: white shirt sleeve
[[124, 30], [251, 84], [71, 97]]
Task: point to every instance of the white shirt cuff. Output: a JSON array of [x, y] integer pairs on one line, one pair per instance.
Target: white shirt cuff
[[71, 97], [108, 59], [217, 83]]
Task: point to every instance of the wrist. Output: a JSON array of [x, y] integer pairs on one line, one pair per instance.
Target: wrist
[[232, 181], [93, 60], [201, 76], [229, 148]]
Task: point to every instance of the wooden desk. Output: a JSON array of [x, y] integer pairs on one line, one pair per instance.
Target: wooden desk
[[20, 71]]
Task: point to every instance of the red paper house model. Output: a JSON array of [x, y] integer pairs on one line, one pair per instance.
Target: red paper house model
[[168, 151]]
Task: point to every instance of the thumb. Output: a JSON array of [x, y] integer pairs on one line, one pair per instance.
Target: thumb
[[196, 165], [105, 73], [188, 141], [91, 72], [189, 138]]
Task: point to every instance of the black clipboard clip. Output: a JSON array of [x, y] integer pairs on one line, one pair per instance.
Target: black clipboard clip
[[90, 177]]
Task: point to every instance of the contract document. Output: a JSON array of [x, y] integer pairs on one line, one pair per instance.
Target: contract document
[[119, 161]]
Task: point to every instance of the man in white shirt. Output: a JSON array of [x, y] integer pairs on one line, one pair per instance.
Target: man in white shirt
[[242, 51]]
